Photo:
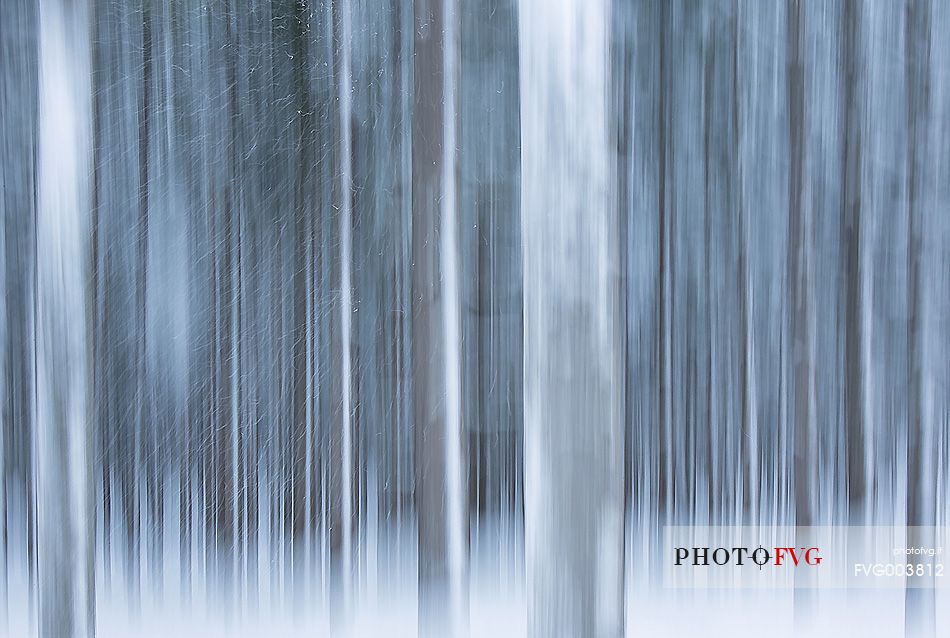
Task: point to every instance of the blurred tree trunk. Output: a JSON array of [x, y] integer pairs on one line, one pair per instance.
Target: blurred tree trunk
[[919, 607], [342, 476], [852, 261], [799, 274], [573, 343], [65, 511], [439, 465]]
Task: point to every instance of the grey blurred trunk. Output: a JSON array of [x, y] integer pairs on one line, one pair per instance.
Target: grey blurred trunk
[[436, 372], [573, 346], [65, 512], [919, 607], [799, 274]]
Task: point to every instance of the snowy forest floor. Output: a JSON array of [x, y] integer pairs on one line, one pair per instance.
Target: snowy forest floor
[[386, 606]]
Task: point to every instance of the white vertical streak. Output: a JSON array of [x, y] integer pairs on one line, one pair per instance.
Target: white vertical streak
[[235, 405], [308, 417], [346, 300], [448, 238], [64, 545]]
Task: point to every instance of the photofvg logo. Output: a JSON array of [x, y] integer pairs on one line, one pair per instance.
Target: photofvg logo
[[777, 557], [803, 557]]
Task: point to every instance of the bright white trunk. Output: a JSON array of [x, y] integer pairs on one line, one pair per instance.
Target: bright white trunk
[[65, 512], [573, 357]]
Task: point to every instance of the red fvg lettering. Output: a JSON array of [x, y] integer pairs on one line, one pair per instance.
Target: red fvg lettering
[[781, 552], [809, 555]]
